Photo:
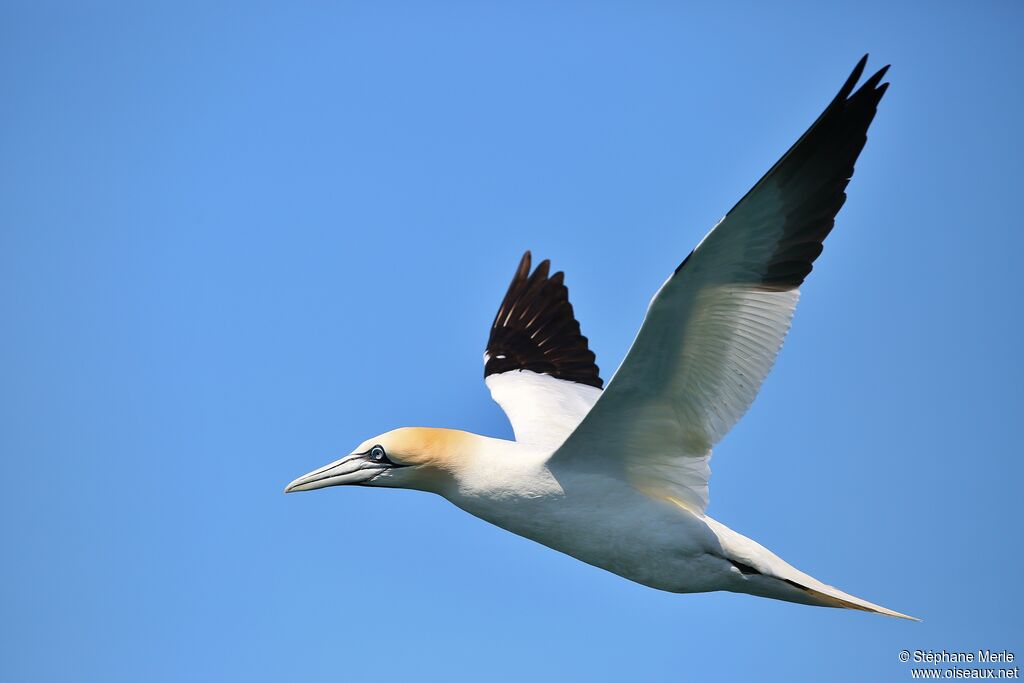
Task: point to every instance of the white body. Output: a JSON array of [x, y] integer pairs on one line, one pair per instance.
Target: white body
[[607, 523], [594, 518], [618, 477]]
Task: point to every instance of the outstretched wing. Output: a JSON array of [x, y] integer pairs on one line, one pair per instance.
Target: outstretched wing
[[714, 329], [537, 364]]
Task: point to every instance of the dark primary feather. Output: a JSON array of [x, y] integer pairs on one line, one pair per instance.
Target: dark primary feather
[[715, 328], [535, 329], [799, 197]]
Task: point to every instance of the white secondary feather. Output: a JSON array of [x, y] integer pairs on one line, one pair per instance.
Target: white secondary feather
[[619, 478], [709, 339], [714, 329], [543, 410]]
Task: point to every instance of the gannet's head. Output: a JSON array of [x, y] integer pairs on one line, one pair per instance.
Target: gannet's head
[[410, 458]]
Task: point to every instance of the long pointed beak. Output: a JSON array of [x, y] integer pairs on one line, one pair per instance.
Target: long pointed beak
[[352, 469]]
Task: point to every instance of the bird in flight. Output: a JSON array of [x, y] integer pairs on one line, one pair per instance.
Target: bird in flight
[[617, 476]]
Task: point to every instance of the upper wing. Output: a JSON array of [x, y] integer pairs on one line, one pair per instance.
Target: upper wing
[[713, 330], [537, 364]]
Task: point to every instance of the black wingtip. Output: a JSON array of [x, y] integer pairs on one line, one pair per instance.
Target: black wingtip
[[523, 269], [535, 329], [873, 82], [858, 71]]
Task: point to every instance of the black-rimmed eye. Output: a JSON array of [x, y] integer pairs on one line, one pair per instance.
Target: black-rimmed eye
[[378, 454]]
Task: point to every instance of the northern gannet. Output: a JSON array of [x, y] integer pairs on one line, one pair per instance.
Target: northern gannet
[[618, 478]]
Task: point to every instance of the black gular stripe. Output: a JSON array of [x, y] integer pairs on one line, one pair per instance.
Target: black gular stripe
[[535, 329], [807, 186]]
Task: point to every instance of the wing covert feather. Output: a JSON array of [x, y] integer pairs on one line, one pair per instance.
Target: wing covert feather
[[713, 330]]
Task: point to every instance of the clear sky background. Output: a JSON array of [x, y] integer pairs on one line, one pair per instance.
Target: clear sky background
[[238, 239]]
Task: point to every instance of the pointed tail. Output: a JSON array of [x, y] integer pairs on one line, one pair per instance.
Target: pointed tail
[[830, 596], [762, 572]]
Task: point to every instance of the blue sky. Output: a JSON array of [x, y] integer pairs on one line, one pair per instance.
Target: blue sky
[[238, 239]]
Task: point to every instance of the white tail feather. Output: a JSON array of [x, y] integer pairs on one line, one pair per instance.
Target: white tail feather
[[778, 579]]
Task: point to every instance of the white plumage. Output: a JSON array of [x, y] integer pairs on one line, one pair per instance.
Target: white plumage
[[618, 477]]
